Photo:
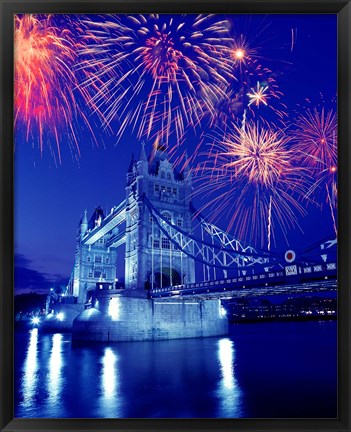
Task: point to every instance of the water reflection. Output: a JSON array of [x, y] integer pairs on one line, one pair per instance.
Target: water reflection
[[30, 369], [55, 370], [228, 389], [109, 384]]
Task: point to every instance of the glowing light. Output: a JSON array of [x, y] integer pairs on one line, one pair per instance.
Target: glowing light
[[258, 96], [239, 54], [35, 320], [60, 316], [30, 370], [225, 354], [110, 401], [114, 308], [222, 311], [55, 366]]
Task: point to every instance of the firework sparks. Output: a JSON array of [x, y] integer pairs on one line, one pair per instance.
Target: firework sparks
[[44, 104], [259, 95], [251, 173], [316, 133], [156, 74], [316, 137]]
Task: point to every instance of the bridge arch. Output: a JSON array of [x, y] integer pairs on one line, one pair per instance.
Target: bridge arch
[[165, 277]]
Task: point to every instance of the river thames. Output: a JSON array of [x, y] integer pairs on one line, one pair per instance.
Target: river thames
[[262, 370]]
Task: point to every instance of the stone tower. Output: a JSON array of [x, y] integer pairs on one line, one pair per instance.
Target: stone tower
[[151, 260], [93, 262]]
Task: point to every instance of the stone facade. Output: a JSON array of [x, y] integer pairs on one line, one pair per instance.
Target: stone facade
[[117, 318], [151, 259], [93, 262]]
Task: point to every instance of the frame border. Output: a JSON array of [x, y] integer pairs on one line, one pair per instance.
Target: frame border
[[7, 9]]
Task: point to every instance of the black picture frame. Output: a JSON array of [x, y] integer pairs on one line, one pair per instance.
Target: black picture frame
[[340, 7]]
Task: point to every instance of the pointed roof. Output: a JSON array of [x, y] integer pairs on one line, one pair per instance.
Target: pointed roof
[[130, 169], [143, 153], [98, 214]]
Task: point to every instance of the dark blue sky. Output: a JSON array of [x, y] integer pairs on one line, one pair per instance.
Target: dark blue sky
[[50, 198]]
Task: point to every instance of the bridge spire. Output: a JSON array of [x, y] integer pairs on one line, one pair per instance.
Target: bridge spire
[[84, 225], [143, 153]]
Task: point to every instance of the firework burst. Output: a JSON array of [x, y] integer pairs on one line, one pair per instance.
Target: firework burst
[[316, 138], [44, 104], [251, 175], [155, 74], [258, 95]]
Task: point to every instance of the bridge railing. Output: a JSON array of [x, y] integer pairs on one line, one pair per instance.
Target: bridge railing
[[311, 272]]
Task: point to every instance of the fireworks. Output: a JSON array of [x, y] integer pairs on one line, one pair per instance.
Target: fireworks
[[44, 103], [316, 134], [251, 173], [316, 138], [156, 74], [259, 95]]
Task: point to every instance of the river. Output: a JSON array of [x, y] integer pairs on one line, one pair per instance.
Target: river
[[262, 370]]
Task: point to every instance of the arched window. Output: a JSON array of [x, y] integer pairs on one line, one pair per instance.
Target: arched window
[[167, 216], [166, 244]]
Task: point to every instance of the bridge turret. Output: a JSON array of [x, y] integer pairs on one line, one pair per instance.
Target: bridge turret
[[84, 225]]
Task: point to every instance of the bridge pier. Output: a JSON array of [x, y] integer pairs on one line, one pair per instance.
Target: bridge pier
[[117, 318]]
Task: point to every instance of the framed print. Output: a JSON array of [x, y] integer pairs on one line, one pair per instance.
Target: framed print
[[175, 224]]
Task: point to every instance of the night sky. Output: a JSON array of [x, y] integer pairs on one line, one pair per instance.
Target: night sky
[[50, 196]]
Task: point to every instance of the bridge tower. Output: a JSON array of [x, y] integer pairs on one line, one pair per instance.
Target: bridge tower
[[151, 260], [93, 263]]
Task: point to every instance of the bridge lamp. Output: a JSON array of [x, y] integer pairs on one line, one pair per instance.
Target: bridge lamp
[[60, 316], [222, 311], [35, 321]]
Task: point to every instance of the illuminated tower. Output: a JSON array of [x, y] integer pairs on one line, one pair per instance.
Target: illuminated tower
[[151, 260]]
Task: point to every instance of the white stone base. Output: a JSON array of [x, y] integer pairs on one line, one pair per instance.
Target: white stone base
[[135, 319]]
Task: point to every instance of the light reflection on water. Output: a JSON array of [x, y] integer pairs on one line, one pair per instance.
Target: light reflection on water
[[30, 368], [210, 377], [55, 375], [228, 388], [109, 385]]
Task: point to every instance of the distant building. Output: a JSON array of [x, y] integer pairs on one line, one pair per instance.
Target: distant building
[[151, 260]]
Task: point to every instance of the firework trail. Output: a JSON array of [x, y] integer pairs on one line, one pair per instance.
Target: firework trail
[[156, 74], [251, 174], [315, 134], [44, 104]]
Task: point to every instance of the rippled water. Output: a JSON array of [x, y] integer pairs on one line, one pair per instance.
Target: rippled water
[[275, 370]]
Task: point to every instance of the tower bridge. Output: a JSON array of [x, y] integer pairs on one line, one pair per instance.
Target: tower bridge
[[172, 248], [179, 266]]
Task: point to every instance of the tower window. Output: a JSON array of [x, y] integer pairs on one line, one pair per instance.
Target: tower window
[[98, 258], [168, 176], [166, 244], [163, 188], [167, 216], [175, 191], [162, 174], [169, 189], [179, 222], [107, 260], [157, 187], [90, 274], [97, 274], [88, 258], [156, 243]]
